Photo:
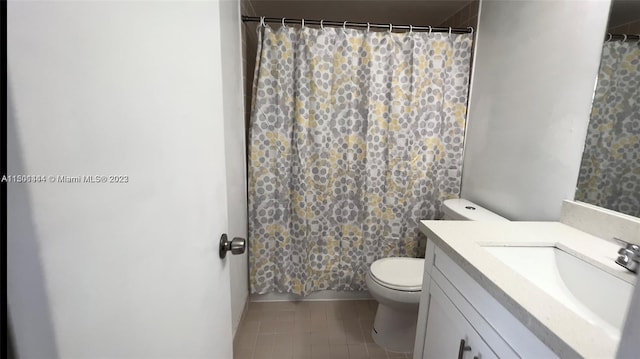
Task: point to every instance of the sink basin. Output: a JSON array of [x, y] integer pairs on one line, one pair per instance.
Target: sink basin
[[591, 292]]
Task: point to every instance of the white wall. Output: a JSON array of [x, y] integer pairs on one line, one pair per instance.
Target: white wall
[[128, 270], [533, 81], [233, 95], [30, 315]]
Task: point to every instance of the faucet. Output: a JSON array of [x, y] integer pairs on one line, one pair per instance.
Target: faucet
[[629, 255]]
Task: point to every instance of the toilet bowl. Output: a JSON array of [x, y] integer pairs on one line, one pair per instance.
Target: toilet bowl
[[396, 283]]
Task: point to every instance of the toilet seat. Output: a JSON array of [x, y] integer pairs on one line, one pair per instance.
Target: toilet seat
[[398, 273]]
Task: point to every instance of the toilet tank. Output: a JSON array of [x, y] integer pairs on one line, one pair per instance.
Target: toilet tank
[[463, 210]]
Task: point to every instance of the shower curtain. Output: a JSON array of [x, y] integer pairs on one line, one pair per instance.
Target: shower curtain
[[610, 170], [355, 136]]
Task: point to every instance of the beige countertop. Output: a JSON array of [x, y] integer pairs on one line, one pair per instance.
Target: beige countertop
[[562, 330]]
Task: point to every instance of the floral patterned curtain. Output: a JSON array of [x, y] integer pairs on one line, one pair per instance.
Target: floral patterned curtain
[[355, 136], [610, 170]]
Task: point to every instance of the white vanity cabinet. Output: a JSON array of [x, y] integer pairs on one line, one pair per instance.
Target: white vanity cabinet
[[459, 319], [449, 334]]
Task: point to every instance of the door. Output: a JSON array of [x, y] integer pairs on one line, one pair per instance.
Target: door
[[118, 107], [449, 335]]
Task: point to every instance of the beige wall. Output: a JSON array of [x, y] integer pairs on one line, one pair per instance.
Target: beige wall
[[466, 17], [624, 17], [628, 28]]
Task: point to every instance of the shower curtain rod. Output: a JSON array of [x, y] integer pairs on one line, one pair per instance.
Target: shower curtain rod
[[610, 37], [362, 25]]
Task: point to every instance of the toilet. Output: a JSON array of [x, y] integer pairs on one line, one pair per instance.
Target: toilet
[[396, 283], [462, 210]]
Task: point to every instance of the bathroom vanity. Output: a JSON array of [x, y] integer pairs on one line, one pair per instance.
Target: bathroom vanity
[[520, 289]]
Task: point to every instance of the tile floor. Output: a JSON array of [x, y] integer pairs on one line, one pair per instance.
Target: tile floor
[[309, 330]]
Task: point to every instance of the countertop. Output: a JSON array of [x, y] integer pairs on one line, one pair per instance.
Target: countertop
[[563, 331]]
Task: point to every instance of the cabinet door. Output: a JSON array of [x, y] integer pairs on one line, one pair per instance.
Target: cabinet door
[[446, 328]]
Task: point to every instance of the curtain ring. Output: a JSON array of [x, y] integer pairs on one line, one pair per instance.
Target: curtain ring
[[429, 31], [303, 23], [390, 28], [410, 29], [283, 22], [262, 21], [624, 37], [344, 27], [368, 27], [470, 28], [449, 32], [609, 36], [321, 25]]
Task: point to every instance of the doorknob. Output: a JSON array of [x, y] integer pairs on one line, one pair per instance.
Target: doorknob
[[236, 245]]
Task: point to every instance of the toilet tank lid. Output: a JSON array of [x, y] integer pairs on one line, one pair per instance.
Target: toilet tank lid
[[399, 272], [470, 211]]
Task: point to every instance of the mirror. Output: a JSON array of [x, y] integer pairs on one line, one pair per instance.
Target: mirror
[[610, 170]]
